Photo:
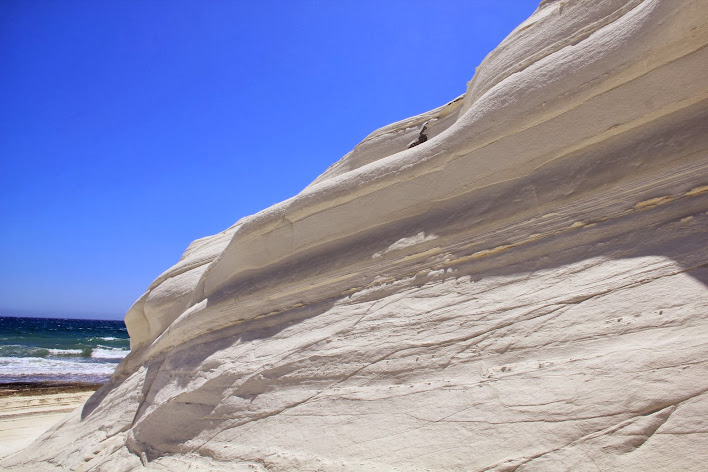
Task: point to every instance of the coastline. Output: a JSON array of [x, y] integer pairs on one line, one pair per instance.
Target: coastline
[[28, 409]]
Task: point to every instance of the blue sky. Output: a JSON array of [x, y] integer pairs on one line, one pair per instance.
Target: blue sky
[[130, 128]]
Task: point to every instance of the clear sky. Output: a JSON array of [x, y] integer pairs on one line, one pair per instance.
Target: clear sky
[[130, 128]]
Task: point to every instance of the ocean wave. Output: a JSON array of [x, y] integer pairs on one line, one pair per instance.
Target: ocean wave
[[98, 352], [18, 350], [105, 352], [67, 352], [19, 369]]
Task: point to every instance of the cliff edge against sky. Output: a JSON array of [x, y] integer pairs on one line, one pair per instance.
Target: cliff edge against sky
[[524, 289]]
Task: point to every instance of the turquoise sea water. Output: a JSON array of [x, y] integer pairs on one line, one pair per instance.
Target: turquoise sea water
[[51, 349]]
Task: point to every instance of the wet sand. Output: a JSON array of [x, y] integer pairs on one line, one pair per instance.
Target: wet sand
[[28, 409]]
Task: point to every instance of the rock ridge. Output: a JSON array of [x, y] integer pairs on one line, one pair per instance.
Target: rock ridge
[[523, 290]]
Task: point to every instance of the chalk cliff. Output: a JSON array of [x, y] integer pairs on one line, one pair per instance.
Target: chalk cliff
[[523, 290]]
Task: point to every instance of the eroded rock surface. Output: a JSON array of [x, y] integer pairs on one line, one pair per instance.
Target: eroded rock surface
[[525, 290]]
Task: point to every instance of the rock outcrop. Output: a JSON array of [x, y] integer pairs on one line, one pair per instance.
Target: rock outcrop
[[524, 290]]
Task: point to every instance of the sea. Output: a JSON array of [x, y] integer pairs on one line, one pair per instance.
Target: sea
[[60, 350]]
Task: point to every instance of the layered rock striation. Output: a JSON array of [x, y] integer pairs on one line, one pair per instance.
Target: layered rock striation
[[524, 290]]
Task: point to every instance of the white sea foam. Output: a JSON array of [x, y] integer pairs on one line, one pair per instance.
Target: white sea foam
[[108, 338], [65, 352], [19, 369], [104, 352]]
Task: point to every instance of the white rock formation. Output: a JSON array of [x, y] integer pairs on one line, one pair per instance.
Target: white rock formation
[[526, 290]]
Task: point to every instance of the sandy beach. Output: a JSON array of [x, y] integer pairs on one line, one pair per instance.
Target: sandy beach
[[28, 409]]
